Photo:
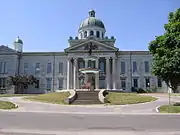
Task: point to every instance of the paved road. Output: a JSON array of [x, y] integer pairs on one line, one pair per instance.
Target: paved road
[[148, 108], [17, 123]]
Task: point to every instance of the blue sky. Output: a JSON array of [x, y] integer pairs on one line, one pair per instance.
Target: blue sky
[[45, 25]]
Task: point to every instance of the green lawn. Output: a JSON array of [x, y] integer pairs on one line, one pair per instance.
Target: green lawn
[[169, 109], [55, 97], [175, 94], [116, 98], [15, 95], [6, 105]]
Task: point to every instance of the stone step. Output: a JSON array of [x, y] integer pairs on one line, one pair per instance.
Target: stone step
[[87, 97], [82, 102]]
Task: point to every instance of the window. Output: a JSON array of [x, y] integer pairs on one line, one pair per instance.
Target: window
[[37, 84], [91, 33], [102, 35], [37, 68], [1, 67], [60, 83], [25, 68], [49, 83], [97, 34], [134, 66], [49, 68], [123, 67], [5, 67], [123, 83], [85, 34], [159, 82], [146, 66], [147, 81], [61, 67], [81, 64], [102, 66], [2, 83], [135, 83]]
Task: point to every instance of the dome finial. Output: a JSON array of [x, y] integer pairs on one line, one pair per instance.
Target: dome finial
[[92, 13]]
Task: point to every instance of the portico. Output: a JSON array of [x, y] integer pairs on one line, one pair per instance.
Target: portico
[[107, 72]]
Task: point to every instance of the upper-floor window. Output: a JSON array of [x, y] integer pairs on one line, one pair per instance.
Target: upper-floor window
[[85, 34], [102, 35], [91, 33], [123, 67], [37, 68], [102, 66], [61, 67], [134, 66], [81, 64], [146, 66], [97, 34], [3, 67], [26, 68], [49, 67]]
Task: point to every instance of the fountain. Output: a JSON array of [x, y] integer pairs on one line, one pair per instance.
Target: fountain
[[89, 71]]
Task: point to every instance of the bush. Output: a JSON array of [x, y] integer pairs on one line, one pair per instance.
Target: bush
[[176, 104], [140, 90]]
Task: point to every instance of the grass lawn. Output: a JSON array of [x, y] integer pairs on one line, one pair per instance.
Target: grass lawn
[[6, 105], [55, 97], [116, 98], [15, 95], [175, 94], [169, 109]]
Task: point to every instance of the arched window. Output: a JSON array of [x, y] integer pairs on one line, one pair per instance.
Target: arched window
[[97, 34], [85, 34], [102, 66], [102, 35], [91, 33]]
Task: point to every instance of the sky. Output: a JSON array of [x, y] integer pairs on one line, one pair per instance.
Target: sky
[[46, 25]]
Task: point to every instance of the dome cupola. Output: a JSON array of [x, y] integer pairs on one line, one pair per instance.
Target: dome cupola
[[92, 26]]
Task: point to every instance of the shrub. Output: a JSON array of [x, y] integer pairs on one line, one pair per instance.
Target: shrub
[[140, 90]]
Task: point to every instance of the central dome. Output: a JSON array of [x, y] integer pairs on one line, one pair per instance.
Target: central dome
[[91, 21]]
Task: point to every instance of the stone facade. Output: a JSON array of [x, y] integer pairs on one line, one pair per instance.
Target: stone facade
[[60, 70]]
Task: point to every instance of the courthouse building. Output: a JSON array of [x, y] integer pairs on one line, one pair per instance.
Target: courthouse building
[[119, 70]]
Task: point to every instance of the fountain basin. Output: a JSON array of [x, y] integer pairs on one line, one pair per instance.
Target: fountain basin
[[89, 70]]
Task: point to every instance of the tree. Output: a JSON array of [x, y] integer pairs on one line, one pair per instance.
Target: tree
[[166, 52], [21, 82]]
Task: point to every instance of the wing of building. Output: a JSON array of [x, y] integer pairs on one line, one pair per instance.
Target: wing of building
[[60, 70]]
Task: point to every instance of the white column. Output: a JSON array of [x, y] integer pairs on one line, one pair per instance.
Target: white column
[[68, 74], [75, 73], [114, 73], [97, 75], [108, 73], [86, 66]]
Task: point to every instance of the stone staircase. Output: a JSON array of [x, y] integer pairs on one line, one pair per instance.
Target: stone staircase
[[87, 97]]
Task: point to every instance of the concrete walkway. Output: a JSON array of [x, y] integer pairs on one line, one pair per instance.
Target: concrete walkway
[[143, 108]]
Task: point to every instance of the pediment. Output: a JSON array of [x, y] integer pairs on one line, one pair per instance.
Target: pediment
[[97, 46], [6, 49]]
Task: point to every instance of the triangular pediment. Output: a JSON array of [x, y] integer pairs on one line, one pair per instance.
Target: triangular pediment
[[97, 46], [6, 49]]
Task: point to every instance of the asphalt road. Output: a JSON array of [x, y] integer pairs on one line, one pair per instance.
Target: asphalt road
[[48, 123]]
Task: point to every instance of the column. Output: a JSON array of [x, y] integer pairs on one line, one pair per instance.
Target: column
[[86, 66], [75, 73], [68, 74], [97, 75], [108, 73], [114, 73]]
